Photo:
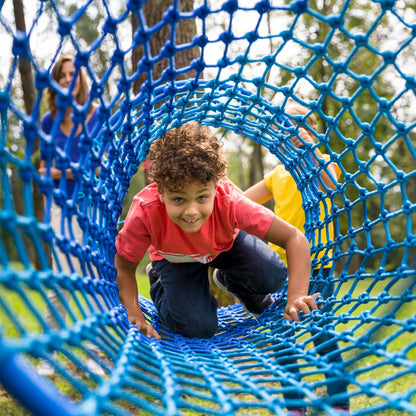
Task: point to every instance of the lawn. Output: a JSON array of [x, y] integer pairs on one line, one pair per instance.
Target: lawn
[[371, 372]]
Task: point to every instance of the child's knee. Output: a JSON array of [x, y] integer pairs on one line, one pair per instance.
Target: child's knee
[[272, 286], [273, 281], [281, 271], [196, 328], [199, 330], [203, 331]]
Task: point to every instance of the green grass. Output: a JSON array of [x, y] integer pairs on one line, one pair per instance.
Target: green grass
[[9, 406], [143, 284]]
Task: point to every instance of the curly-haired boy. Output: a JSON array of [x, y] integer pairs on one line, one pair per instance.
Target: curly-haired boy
[[191, 217]]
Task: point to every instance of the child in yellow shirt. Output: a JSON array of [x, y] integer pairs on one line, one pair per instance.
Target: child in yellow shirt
[[281, 186]]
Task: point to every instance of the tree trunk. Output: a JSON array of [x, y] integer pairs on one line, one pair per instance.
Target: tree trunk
[[24, 63], [256, 164], [28, 99], [185, 32]]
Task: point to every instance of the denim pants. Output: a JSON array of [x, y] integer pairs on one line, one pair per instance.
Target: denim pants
[[182, 296]]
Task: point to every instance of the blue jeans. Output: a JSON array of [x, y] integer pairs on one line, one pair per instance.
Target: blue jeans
[[182, 296], [184, 302]]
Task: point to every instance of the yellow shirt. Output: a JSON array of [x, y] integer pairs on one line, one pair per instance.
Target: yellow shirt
[[288, 206]]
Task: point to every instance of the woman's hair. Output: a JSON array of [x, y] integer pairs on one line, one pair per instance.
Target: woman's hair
[[83, 93], [184, 155], [295, 109]]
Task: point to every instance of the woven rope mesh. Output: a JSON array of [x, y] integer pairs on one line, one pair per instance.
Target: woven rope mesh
[[352, 63]]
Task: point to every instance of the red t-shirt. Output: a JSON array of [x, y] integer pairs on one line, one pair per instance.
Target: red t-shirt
[[148, 227]]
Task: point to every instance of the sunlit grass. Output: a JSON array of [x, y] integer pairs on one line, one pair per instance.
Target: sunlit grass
[[370, 369]]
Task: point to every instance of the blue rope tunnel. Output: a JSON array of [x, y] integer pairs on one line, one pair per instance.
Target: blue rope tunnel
[[253, 59]]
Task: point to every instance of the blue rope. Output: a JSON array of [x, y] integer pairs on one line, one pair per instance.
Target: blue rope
[[313, 186], [105, 365]]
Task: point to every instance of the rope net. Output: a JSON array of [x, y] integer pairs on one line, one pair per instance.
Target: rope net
[[351, 63]]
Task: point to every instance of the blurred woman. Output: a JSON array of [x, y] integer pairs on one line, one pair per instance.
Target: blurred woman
[[67, 152]]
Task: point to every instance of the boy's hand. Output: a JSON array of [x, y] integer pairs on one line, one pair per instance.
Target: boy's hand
[[128, 295], [300, 304], [144, 327]]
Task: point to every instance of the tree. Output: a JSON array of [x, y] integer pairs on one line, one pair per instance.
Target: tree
[[339, 63], [186, 30], [28, 100]]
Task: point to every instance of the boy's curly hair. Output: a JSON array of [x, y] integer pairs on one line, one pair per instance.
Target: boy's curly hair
[[186, 154]]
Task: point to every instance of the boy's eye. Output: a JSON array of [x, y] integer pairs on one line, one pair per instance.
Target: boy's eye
[[178, 200], [202, 198]]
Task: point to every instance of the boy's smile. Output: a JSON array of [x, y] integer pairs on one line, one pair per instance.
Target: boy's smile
[[190, 206]]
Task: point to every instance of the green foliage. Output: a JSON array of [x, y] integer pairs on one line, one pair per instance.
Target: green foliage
[[9, 406], [137, 183], [349, 109]]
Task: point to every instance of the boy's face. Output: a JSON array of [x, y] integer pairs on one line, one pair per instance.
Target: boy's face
[[190, 206]]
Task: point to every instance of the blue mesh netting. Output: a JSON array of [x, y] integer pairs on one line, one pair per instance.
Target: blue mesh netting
[[352, 63]]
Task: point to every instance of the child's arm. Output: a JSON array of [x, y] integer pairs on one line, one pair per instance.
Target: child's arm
[[299, 267], [55, 173], [259, 192], [128, 294]]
